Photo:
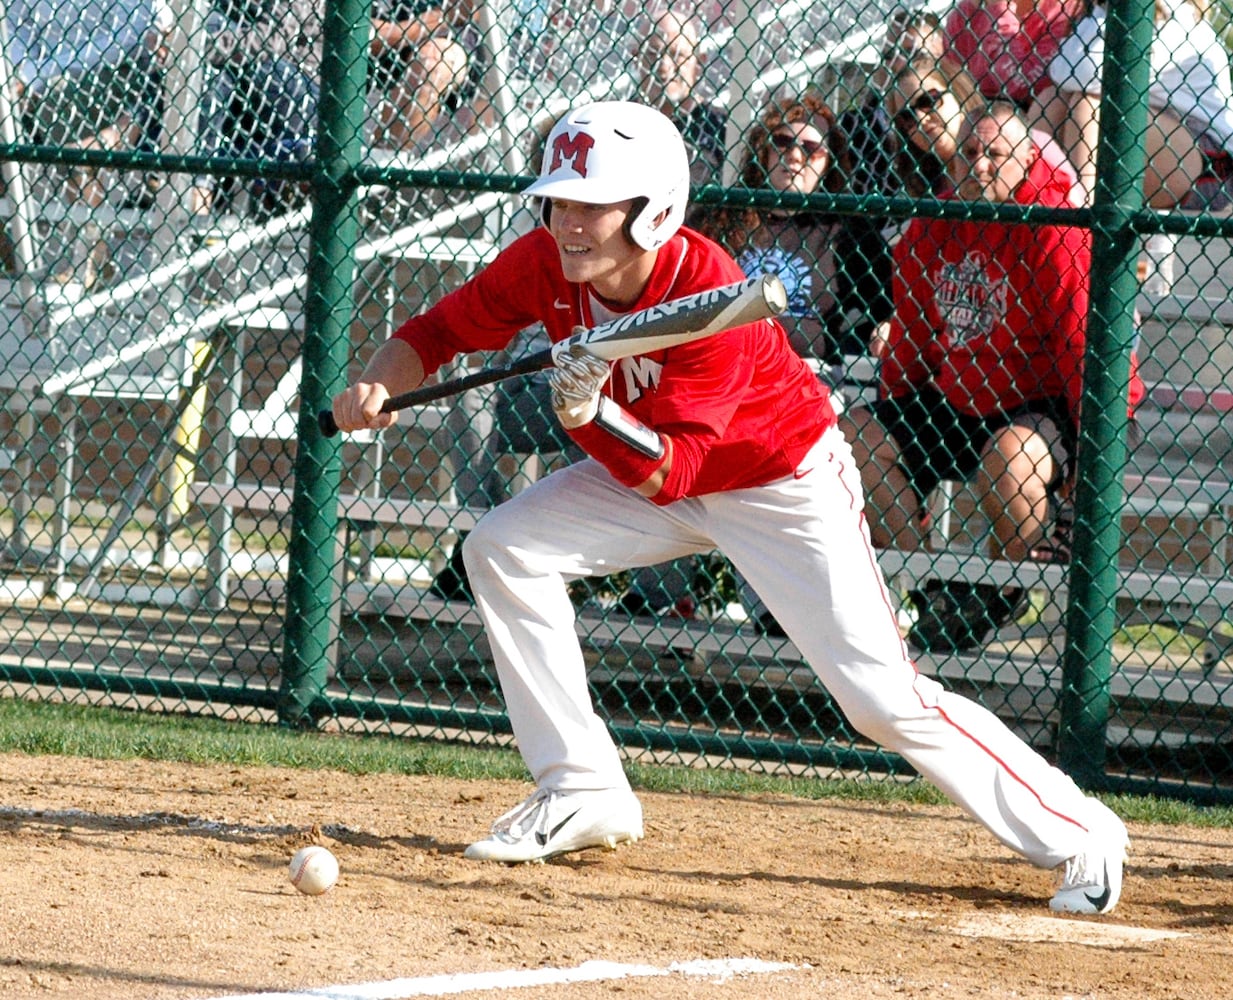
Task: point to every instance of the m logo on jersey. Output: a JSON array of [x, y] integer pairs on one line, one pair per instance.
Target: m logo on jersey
[[573, 148], [640, 374]]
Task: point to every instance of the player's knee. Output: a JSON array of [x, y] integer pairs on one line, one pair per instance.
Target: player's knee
[[879, 715], [872, 721], [894, 707], [490, 540]]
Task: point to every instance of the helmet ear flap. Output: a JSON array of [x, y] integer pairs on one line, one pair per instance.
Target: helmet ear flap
[[632, 216]]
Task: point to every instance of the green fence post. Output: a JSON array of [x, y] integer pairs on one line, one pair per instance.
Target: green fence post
[[1090, 616], [328, 307]]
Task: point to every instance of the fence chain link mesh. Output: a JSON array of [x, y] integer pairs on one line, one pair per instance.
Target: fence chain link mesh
[[162, 161]]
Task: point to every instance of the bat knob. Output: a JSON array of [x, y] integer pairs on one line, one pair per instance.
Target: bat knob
[[775, 294], [325, 420]]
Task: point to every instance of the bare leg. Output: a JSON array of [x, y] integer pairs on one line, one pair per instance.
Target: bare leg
[[1079, 115], [892, 508], [415, 103], [1012, 481], [1174, 162]]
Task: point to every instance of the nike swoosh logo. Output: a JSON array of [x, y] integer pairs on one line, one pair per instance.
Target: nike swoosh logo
[[558, 304], [802, 473], [1102, 900], [543, 838]]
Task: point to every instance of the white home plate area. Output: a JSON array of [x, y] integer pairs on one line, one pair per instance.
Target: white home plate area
[[1059, 930]]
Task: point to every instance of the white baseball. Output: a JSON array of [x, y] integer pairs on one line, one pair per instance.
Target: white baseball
[[313, 870]]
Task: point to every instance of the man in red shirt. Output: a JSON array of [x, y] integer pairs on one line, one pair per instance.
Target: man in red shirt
[[740, 452], [982, 371]]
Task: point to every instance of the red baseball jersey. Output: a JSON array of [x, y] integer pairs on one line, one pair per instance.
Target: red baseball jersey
[[990, 314], [741, 407]]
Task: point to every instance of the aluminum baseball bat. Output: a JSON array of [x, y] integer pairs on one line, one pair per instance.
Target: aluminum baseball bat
[[677, 321]]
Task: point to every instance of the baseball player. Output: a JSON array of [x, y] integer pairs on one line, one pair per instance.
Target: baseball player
[[729, 443]]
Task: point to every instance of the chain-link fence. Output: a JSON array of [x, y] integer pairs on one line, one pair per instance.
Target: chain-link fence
[[215, 210]]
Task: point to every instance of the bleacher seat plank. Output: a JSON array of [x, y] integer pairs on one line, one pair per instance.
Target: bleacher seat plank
[[377, 510]]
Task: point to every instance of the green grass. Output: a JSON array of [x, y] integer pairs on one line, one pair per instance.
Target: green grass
[[44, 728]]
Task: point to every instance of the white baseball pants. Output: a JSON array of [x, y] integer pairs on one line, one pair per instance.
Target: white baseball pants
[[803, 544]]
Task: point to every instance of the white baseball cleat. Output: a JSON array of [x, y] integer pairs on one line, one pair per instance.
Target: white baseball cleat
[[551, 822], [1092, 882]]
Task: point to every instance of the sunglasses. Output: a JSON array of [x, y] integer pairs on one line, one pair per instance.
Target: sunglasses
[[810, 147], [925, 104]]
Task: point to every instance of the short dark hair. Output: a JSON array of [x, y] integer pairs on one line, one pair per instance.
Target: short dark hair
[[914, 17], [1000, 108], [903, 18]]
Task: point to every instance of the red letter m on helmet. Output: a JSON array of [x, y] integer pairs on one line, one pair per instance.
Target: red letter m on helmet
[[574, 149]]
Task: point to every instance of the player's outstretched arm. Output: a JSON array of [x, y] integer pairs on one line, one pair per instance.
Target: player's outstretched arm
[[394, 368]]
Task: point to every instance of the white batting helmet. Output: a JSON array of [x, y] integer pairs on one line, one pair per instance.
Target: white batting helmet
[[612, 151]]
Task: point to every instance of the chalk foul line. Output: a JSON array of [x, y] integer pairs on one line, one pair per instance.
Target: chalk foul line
[[513, 979]]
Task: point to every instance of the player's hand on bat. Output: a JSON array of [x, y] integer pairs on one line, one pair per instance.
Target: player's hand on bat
[[576, 379], [358, 407]]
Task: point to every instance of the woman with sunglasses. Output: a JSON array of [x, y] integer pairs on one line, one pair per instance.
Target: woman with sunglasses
[[788, 152], [863, 149], [926, 103]]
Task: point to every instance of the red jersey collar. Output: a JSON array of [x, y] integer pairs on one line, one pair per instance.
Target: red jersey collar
[[669, 259]]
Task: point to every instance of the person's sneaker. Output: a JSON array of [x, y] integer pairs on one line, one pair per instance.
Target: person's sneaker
[[768, 625], [1092, 879], [452, 584], [549, 823], [954, 615]]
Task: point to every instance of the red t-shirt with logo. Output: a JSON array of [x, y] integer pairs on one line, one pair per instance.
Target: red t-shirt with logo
[[992, 314], [741, 408]]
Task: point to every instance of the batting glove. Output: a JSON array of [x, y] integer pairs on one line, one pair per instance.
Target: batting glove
[[576, 379]]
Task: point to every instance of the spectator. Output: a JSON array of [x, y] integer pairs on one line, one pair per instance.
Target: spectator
[[258, 102], [927, 102], [261, 99], [788, 152], [427, 64], [1189, 139], [1006, 45], [671, 68], [982, 373], [86, 68], [864, 149], [88, 76]]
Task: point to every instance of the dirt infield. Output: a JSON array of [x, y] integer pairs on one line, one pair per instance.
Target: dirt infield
[[150, 880]]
